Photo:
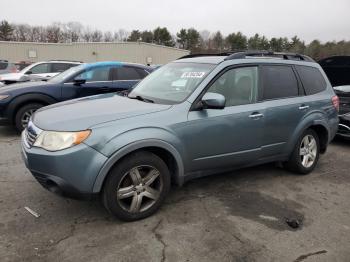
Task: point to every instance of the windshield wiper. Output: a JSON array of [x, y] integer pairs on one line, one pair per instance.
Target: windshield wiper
[[138, 97]]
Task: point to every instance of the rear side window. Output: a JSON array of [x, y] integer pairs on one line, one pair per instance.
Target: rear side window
[[60, 67], [312, 79], [279, 82], [126, 73]]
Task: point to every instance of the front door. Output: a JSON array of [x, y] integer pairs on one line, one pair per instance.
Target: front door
[[233, 135]]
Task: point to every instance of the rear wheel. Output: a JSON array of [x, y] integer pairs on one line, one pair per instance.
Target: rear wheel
[[24, 114], [305, 154], [137, 186]]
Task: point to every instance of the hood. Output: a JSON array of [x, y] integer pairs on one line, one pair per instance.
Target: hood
[[11, 77], [18, 86], [83, 113]]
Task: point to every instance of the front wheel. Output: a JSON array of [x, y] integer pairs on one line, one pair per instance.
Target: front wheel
[[305, 154], [137, 186], [24, 114]]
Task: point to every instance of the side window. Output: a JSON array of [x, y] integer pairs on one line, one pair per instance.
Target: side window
[[40, 69], [279, 82], [95, 74], [239, 86], [60, 67], [126, 73], [142, 73], [312, 79]]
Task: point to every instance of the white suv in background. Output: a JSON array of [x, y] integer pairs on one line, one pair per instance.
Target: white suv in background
[[38, 71]]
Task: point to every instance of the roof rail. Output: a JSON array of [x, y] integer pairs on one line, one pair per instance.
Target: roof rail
[[205, 54], [62, 60], [265, 53]]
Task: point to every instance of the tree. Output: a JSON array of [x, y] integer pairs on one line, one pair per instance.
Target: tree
[[276, 44], [192, 39], [6, 31], [107, 36], [96, 36], [163, 37], [236, 41], [147, 36], [182, 38], [134, 36], [218, 41], [53, 34]]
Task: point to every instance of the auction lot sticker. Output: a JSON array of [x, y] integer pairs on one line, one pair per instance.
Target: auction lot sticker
[[193, 75]]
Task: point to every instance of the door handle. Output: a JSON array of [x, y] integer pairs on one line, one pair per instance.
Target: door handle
[[303, 107], [256, 116]]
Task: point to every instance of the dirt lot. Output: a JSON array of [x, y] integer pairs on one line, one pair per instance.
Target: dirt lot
[[228, 217]]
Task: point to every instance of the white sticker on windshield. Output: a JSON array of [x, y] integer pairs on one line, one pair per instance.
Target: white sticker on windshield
[[193, 75]]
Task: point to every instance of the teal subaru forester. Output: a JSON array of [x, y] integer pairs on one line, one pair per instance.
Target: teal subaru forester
[[199, 115]]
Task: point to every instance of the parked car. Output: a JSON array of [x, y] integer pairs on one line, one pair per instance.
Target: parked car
[[6, 67], [193, 117], [19, 101], [343, 93], [38, 71], [22, 64], [337, 68]]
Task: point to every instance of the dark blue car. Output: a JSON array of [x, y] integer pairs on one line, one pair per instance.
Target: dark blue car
[[18, 102]]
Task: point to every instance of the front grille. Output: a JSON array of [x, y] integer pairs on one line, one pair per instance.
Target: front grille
[[30, 137]]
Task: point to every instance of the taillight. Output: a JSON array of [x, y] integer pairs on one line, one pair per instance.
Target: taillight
[[335, 102]]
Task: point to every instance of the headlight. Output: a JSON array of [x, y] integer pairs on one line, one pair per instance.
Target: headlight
[[2, 97], [54, 141]]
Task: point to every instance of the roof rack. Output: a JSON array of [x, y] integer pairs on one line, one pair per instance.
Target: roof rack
[[254, 53], [264, 53], [204, 54]]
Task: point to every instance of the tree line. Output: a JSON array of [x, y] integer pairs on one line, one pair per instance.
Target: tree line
[[191, 39]]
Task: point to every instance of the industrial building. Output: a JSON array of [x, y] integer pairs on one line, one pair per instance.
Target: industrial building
[[136, 52]]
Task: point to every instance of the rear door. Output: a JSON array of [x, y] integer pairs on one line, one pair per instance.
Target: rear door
[[282, 96]]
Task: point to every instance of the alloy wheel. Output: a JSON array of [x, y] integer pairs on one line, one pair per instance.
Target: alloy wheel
[[26, 117], [139, 189], [308, 151]]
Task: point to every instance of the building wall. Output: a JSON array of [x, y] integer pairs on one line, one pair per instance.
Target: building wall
[[135, 52]]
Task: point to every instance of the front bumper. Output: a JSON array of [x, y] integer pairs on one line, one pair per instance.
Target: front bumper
[[71, 172], [344, 126]]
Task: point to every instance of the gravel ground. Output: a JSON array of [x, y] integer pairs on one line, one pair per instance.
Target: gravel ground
[[238, 216]]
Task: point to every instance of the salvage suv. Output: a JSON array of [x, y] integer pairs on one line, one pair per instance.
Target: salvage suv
[[196, 116]]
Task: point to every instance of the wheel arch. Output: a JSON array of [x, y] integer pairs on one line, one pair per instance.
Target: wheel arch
[[22, 100], [164, 150], [316, 123]]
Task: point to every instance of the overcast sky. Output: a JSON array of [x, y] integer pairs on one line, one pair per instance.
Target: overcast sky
[[325, 20]]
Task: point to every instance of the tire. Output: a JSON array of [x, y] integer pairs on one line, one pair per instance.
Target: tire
[[129, 192], [297, 162], [23, 113]]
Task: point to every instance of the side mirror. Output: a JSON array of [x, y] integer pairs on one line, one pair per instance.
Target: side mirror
[[29, 72], [79, 81], [213, 101]]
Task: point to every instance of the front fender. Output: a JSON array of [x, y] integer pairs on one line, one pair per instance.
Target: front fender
[[16, 102], [132, 140]]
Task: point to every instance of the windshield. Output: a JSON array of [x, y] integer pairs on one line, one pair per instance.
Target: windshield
[[66, 75], [172, 83]]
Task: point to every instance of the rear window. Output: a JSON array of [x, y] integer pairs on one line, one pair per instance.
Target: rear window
[[126, 73], [60, 67], [279, 82], [312, 79]]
